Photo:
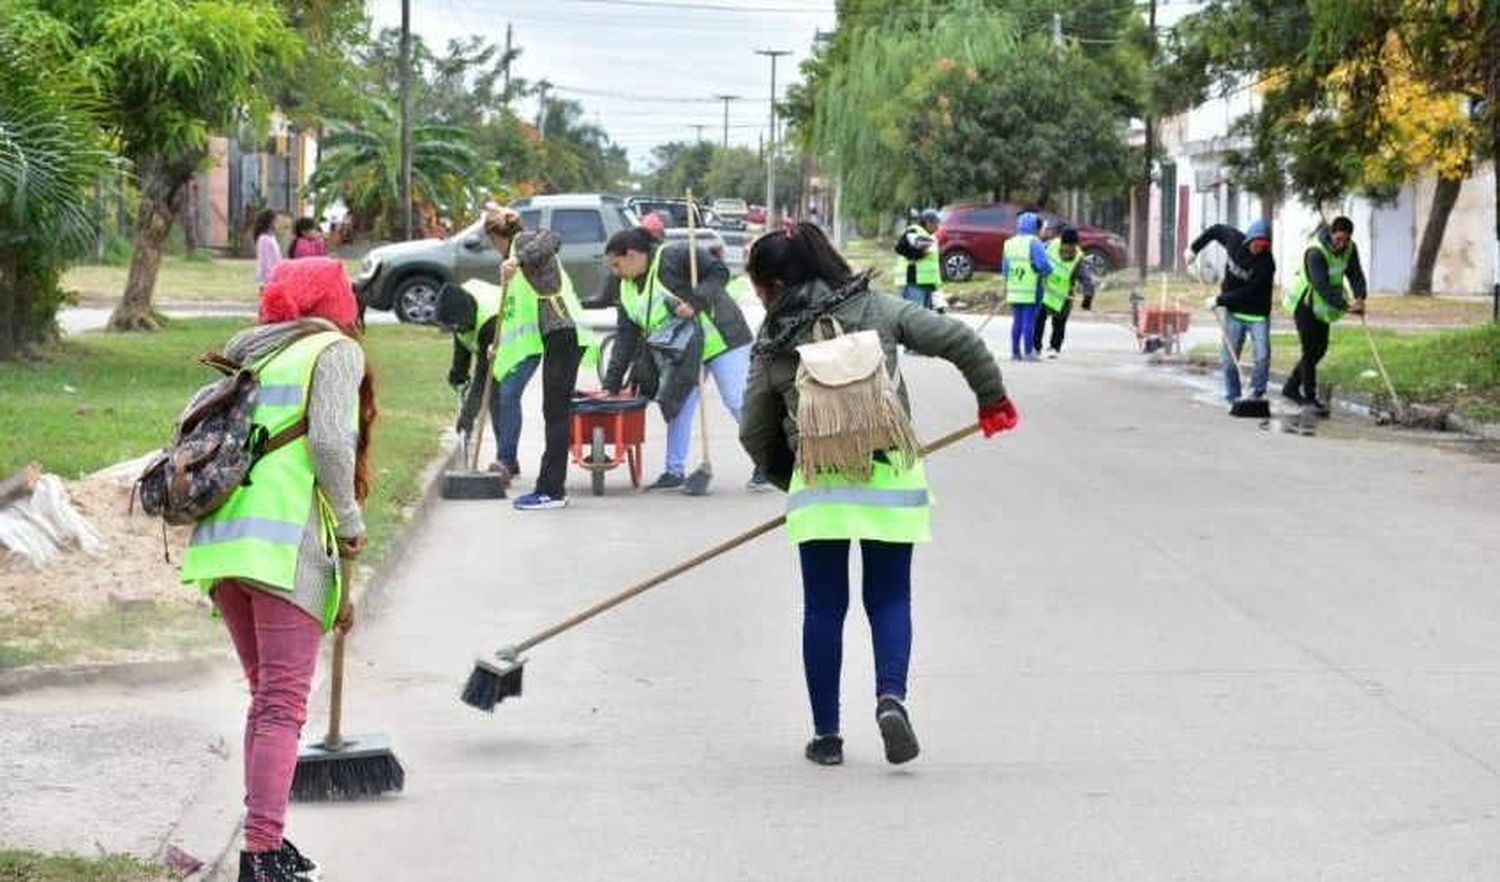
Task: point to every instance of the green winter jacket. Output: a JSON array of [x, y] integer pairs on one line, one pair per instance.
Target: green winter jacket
[[768, 423]]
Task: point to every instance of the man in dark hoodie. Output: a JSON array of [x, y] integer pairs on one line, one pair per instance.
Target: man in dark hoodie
[[655, 285], [1316, 300], [1245, 295]]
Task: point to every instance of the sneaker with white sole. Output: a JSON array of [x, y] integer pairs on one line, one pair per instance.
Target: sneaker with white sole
[[539, 502], [758, 483], [302, 867]]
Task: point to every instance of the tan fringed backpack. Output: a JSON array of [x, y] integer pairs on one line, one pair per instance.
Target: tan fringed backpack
[[848, 408]]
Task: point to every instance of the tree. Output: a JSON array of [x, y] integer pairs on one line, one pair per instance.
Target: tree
[[51, 152], [170, 73], [360, 163]]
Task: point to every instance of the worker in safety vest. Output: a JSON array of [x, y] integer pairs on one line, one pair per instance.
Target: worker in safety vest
[[919, 268], [655, 287], [880, 498], [272, 556], [1024, 267], [1316, 300], [1070, 273]]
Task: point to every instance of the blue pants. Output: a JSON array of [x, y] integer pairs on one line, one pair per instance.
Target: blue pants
[[508, 420], [921, 295], [730, 370], [825, 600], [1235, 330], [1023, 329]]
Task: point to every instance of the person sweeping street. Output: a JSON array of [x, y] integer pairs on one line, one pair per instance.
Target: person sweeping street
[[1245, 297], [844, 484], [267, 556], [1070, 272], [919, 269], [655, 286], [1024, 267], [1316, 300]]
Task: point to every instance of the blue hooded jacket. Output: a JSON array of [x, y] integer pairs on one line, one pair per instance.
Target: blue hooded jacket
[[1028, 224]]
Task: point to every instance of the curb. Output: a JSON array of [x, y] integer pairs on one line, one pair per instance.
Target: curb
[[123, 674]]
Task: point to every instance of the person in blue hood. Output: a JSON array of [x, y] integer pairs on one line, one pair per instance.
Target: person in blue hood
[[1025, 267]]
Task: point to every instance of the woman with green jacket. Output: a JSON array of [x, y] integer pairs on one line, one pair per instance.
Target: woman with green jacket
[[882, 503]]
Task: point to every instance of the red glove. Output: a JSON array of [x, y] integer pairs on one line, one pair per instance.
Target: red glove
[[997, 417]]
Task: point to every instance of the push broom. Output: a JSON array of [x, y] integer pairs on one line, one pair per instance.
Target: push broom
[[473, 483], [697, 483], [1390, 387], [345, 767], [1249, 408], [498, 677]]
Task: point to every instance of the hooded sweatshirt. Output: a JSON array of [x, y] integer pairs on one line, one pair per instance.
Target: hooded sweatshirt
[[1246, 288], [1028, 224], [334, 394]]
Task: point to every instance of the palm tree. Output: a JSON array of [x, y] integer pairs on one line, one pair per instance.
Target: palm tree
[[50, 155], [360, 162]]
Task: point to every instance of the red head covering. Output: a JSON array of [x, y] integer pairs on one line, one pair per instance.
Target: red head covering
[[309, 287]]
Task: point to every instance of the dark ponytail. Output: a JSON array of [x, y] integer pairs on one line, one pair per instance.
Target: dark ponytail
[[794, 257]]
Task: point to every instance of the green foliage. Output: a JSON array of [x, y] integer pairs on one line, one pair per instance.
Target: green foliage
[[713, 172], [26, 866], [360, 162], [50, 154]]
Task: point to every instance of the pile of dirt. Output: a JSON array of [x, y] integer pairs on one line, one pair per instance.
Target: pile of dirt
[[132, 571]]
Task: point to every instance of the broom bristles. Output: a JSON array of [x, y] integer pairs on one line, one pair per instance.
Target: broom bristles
[[483, 689], [323, 779]]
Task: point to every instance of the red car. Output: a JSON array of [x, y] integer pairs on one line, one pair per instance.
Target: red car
[[972, 237]]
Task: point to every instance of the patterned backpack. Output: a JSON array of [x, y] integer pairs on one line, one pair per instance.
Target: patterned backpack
[[215, 446]]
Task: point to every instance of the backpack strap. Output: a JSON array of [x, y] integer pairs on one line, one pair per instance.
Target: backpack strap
[[284, 437]]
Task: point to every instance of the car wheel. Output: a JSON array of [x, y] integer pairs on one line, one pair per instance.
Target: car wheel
[[958, 266], [1097, 262], [416, 299]]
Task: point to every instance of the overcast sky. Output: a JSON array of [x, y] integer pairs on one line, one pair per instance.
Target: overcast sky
[[644, 70]]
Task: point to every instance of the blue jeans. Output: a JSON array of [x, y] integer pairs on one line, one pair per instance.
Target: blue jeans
[[886, 572], [730, 370], [508, 422], [1023, 329], [1235, 330], [921, 295]]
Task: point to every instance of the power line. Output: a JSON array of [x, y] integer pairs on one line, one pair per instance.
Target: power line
[[706, 7]]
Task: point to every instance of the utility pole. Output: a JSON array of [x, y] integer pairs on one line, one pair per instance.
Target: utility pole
[[541, 113], [726, 99], [505, 96], [406, 228], [698, 129], [1143, 203], [771, 216]]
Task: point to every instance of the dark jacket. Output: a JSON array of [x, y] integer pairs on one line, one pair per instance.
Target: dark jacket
[[711, 295], [1248, 278], [768, 424], [1317, 272]]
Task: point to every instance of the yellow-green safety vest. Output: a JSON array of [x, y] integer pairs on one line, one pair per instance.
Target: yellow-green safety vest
[[1057, 287], [1301, 285], [521, 331], [257, 533], [646, 306], [929, 266], [893, 506], [487, 301], [1021, 280]]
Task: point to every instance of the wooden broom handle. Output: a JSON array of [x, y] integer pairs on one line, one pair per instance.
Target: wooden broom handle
[[334, 739], [703, 557], [692, 213]]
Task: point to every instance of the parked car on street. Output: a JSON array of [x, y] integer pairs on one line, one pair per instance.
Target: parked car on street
[[731, 209], [734, 238], [406, 276], [972, 237]]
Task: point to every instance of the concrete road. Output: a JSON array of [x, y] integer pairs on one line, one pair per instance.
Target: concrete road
[[1153, 643]]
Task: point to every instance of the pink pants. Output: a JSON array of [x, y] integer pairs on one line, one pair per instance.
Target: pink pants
[[278, 647]]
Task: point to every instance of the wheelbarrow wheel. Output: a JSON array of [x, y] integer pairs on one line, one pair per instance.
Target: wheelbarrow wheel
[[597, 459]]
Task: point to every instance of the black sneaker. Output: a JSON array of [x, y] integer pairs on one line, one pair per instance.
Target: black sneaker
[[758, 483], [668, 481], [895, 729], [1318, 408], [265, 866], [300, 865], [1292, 395], [825, 750]]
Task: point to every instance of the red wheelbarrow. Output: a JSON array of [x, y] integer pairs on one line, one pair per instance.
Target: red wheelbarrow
[[603, 421], [1161, 329]]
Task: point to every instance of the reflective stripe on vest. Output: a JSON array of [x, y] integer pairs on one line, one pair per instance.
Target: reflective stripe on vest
[[635, 298], [257, 533], [1301, 286], [1021, 279], [1058, 285], [929, 266], [893, 506]]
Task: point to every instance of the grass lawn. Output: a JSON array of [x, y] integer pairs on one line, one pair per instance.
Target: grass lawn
[[26, 866], [100, 398], [1457, 368], [202, 279]]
